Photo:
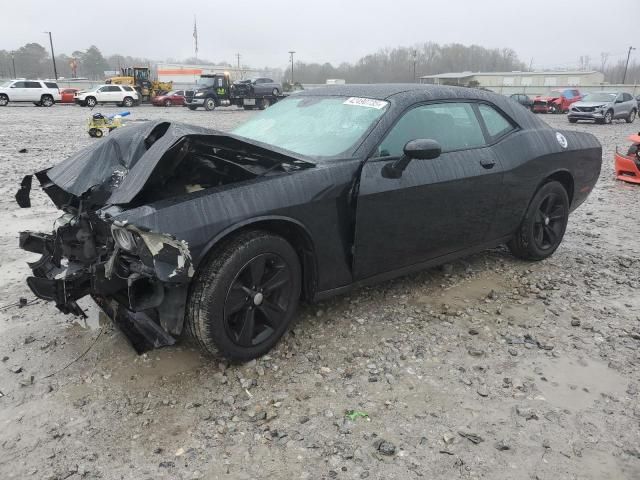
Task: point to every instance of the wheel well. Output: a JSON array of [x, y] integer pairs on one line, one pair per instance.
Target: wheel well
[[566, 180], [297, 237]]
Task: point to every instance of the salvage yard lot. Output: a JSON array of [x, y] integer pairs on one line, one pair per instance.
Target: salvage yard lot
[[489, 367]]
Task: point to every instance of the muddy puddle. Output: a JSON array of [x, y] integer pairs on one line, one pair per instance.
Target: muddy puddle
[[575, 384]]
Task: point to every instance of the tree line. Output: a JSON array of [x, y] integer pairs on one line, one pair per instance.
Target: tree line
[[400, 64]]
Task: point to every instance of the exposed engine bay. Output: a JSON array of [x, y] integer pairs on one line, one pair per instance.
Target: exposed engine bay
[[139, 277]]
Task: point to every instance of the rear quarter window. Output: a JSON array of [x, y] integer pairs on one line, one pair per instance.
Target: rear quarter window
[[128, 89], [51, 85], [497, 125]]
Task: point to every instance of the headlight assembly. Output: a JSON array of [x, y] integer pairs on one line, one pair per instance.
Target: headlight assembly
[[124, 238]]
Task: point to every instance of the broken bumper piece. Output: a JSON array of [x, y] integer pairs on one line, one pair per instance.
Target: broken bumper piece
[[128, 291]]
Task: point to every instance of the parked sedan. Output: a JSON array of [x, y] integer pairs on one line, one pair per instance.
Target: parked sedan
[[174, 97], [603, 107], [174, 228]]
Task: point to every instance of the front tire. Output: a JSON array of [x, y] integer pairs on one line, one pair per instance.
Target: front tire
[[167, 103], [631, 117], [608, 117], [275, 92], [245, 296], [209, 104], [91, 102], [573, 120], [544, 224], [4, 100]]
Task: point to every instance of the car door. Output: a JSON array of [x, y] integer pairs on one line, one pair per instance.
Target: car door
[[178, 98], [437, 206], [34, 91], [18, 91], [619, 110]]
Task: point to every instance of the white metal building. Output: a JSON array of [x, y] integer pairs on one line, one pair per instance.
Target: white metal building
[[518, 79]]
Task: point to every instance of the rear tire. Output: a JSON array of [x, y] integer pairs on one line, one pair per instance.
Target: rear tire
[[264, 103], [544, 224], [91, 102], [47, 101], [127, 102], [245, 296], [275, 92], [631, 117]]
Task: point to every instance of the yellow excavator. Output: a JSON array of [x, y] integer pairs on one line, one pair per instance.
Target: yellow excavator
[[140, 79]]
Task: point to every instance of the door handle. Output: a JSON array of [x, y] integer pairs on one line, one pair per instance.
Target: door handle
[[488, 164]]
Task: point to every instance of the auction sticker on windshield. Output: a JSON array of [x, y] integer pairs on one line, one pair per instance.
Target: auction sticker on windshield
[[365, 102]]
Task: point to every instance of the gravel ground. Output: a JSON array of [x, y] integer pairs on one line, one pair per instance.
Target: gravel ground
[[488, 367]]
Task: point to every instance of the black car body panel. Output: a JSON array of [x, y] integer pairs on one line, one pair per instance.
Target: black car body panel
[[350, 222]]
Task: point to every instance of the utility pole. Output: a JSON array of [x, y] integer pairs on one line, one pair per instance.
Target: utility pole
[[13, 61], [624, 77], [415, 54], [291, 52], [53, 57], [238, 57]]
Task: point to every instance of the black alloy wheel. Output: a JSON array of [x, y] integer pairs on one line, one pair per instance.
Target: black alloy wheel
[[257, 300], [244, 296], [542, 228], [549, 223]]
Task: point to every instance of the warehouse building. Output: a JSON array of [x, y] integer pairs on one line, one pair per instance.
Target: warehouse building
[[512, 82]]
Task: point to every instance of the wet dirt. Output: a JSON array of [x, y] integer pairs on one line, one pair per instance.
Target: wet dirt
[[486, 368]]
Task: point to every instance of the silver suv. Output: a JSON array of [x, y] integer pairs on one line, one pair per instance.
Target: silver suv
[[603, 107], [39, 92]]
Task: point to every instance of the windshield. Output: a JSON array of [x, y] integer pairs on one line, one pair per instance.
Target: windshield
[[6, 84], [315, 126], [600, 97], [206, 82]]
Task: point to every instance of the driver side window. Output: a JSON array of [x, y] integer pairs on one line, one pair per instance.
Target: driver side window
[[453, 125]]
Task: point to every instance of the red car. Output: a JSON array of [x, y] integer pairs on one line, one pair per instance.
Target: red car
[[66, 95], [556, 101], [174, 97]]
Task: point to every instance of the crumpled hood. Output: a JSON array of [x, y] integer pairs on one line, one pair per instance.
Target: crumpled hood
[[119, 165], [547, 99]]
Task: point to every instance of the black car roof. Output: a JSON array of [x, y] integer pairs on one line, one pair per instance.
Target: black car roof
[[405, 94]]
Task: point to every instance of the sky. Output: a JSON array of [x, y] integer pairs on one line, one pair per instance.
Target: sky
[[544, 33]]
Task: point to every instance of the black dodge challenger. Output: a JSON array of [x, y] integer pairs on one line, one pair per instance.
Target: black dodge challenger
[[171, 227]]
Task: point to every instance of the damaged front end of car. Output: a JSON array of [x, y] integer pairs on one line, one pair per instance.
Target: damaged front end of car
[[139, 278], [139, 275]]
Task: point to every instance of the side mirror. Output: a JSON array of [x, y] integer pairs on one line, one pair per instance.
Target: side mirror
[[420, 149]]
